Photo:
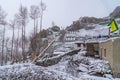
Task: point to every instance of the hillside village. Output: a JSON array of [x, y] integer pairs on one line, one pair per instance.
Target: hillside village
[[82, 51]]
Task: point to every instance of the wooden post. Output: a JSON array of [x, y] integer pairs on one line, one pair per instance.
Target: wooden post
[[109, 33], [119, 32]]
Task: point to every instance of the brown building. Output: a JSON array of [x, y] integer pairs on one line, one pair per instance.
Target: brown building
[[110, 50], [92, 49]]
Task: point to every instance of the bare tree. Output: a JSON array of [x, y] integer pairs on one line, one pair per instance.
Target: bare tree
[[18, 26], [12, 25], [2, 22], [34, 14], [7, 56], [17, 47], [42, 9], [22, 18], [3, 43]]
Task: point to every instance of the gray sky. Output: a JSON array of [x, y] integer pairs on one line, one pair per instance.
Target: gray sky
[[64, 12]]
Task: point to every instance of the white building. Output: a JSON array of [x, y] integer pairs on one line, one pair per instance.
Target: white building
[[71, 35]]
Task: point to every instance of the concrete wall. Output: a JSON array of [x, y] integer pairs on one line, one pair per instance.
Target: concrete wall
[[112, 54], [108, 54], [116, 57]]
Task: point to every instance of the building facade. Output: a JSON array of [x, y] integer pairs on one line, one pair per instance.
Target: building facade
[[71, 35], [110, 51]]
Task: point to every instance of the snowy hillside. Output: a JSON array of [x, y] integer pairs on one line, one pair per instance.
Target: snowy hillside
[[98, 30]]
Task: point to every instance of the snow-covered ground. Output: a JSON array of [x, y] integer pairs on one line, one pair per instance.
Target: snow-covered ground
[[76, 67]]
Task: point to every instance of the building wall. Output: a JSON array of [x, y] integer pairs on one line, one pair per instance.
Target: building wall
[[89, 49], [106, 52], [96, 47], [116, 57], [112, 54], [92, 49]]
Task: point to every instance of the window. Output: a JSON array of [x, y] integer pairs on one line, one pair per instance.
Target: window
[[104, 52]]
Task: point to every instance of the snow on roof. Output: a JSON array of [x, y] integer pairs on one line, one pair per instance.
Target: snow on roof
[[112, 38], [100, 40], [78, 42], [95, 40]]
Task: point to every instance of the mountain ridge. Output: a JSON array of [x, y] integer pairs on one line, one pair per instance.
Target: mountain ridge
[[86, 22]]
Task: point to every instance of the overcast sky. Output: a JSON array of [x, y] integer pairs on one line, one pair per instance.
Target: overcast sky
[[64, 12]]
